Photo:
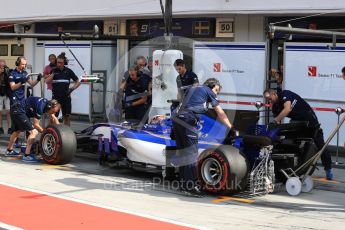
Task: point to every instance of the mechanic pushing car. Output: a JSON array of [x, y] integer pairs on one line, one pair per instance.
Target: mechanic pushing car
[[32, 107], [294, 107], [185, 120]]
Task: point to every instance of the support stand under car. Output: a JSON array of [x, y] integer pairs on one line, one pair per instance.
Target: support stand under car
[[338, 111]]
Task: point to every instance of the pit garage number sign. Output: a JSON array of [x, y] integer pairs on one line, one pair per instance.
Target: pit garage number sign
[[225, 27]]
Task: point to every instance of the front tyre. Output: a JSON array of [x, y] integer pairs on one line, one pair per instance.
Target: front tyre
[[58, 144]]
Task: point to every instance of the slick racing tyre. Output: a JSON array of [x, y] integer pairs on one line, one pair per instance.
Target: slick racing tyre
[[223, 170], [58, 144]]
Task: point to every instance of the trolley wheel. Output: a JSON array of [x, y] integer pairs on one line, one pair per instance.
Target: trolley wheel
[[308, 184], [293, 186]]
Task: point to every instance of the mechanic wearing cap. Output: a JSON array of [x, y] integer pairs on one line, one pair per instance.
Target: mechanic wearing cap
[[185, 121], [136, 92], [185, 79], [32, 107], [294, 107], [60, 78]]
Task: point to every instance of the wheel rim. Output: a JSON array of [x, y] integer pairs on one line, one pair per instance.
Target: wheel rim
[[48, 145], [308, 184], [293, 186], [211, 171]]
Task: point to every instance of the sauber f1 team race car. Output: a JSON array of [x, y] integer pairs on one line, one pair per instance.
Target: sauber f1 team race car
[[253, 162]]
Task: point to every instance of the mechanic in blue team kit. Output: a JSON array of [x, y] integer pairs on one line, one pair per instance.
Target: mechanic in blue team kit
[[60, 78], [17, 80], [296, 108], [185, 120], [32, 107], [136, 89], [185, 79]]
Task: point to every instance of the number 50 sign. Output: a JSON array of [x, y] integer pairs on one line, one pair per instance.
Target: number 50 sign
[[225, 27]]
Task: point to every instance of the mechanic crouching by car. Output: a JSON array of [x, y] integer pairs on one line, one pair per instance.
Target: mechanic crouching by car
[[136, 89], [294, 107], [60, 78], [184, 122], [32, 107]]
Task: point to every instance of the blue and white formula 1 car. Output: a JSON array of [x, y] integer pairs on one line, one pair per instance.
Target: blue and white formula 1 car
[[252, 162], [226, 164]]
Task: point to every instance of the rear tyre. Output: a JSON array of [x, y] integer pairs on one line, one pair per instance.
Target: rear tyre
[[58, 144], [223, 170]]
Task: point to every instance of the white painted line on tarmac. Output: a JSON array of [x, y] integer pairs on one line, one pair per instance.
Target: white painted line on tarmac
[[103, 206], [8, 227]]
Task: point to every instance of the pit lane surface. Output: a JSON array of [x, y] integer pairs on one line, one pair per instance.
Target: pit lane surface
[[112, 198]]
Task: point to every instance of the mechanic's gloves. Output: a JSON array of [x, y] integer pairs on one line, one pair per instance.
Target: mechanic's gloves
[[23, 80], [39, 77]]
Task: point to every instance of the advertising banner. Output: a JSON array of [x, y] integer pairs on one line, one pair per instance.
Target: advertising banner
[[314, 70], [240, 67]]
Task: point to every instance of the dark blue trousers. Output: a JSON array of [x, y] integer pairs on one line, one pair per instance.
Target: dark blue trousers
[[186, 137]]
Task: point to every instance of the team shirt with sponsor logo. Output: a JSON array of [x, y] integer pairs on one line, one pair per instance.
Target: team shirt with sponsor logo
[[300, 109], [33, 107], [61, 81], [18, 95], [186, 81]]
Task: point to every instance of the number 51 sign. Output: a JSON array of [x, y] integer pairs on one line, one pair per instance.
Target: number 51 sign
[[110, 28], [225, 28]]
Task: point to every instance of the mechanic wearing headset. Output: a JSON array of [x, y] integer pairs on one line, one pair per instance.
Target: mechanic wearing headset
[[17, 80], [185, 79], [294, 107], [185, 120], [60, 78], [136, 93], [32, 107]]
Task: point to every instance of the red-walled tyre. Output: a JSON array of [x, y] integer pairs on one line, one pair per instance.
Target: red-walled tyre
[[58, 144], [223, 170]]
